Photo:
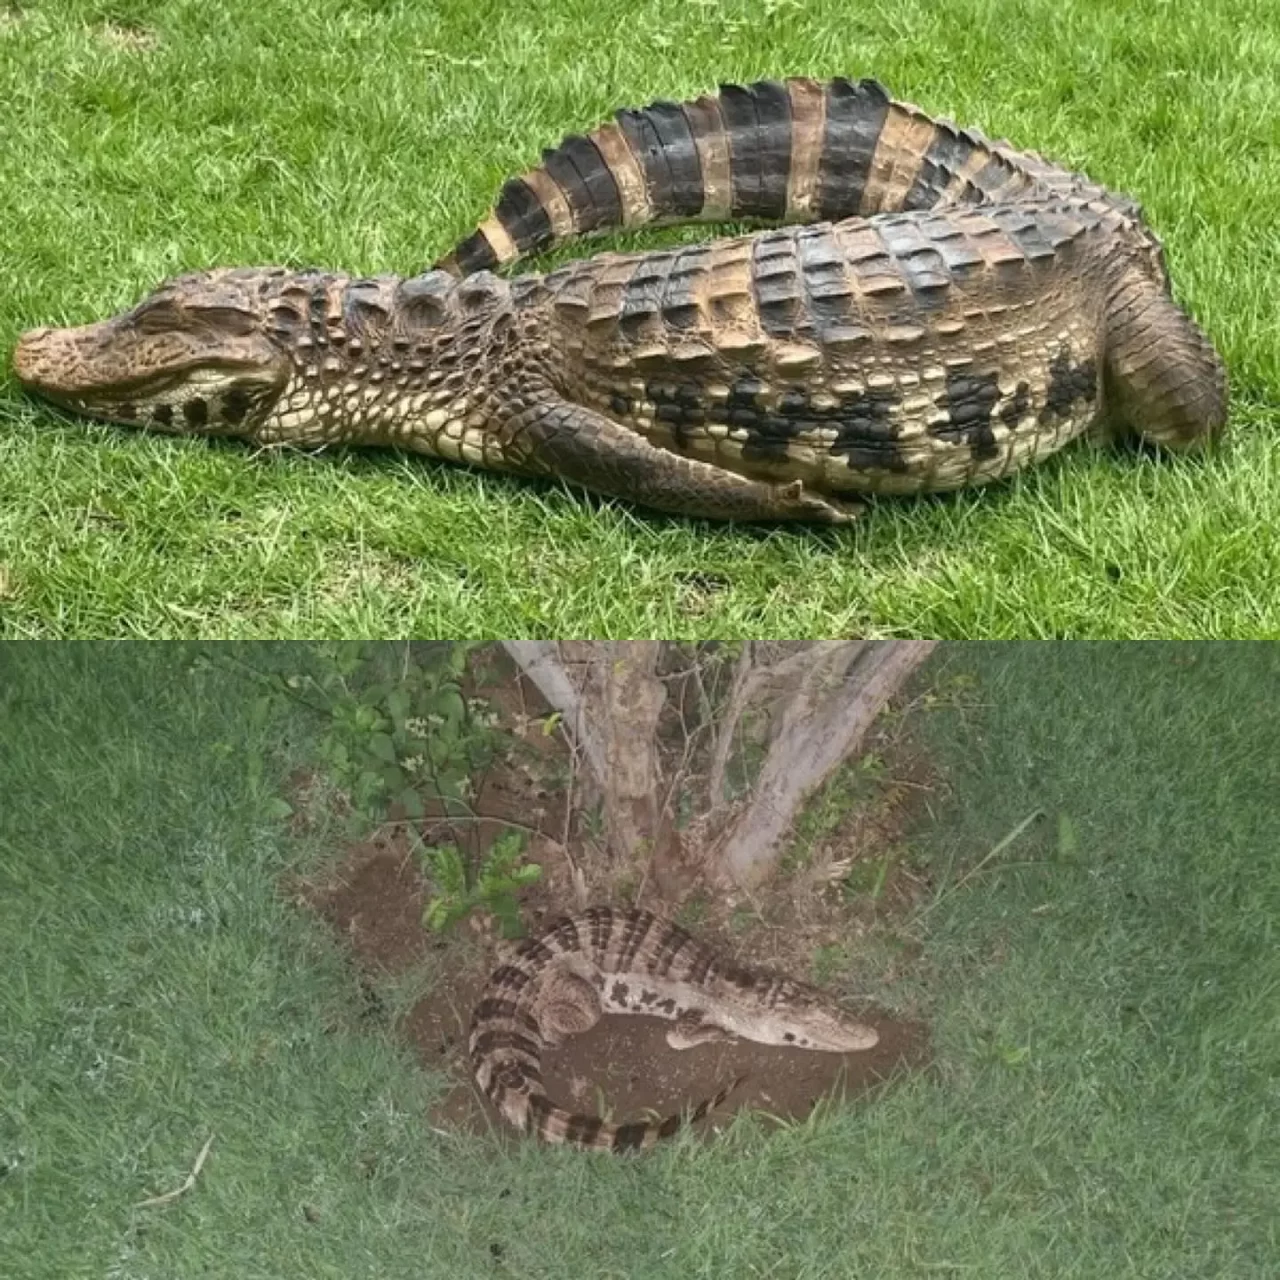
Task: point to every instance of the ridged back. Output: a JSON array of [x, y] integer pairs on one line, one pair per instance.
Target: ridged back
[[797, 150]]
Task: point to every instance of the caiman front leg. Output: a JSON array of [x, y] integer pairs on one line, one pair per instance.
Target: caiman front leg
[[555, 437], [691, 1028]]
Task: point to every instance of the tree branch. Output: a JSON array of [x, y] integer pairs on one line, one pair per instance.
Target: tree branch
[[841, 690]]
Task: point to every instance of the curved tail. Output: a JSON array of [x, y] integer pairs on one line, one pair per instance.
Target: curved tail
[[796, 150], [531, 1110]]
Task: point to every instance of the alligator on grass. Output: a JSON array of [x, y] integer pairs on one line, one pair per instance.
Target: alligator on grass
[[940, 310]]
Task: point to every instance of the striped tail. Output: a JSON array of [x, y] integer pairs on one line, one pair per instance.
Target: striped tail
[[554, 1124], [797, 150]]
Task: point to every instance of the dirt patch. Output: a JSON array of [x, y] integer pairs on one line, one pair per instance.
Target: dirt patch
[[846, 876], [375, 903]]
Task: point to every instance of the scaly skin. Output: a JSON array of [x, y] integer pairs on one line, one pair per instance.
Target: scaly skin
[[974, 310], [625, 961]]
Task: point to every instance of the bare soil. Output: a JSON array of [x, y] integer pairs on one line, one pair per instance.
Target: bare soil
[[623, 1068]]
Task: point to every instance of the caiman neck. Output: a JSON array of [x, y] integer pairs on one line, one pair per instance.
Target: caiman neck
[[388, 361]]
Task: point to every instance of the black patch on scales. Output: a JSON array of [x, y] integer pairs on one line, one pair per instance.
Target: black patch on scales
[[1068, 383], [969, 399]]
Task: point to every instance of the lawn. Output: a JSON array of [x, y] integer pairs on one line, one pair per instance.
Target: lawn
[[1102, 997], [144, 138]]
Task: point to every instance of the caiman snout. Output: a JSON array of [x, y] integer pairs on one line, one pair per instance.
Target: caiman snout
[[73, 364], [28, 356]]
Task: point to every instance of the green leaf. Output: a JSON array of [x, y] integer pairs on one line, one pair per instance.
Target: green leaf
[[380, 745], [411, 803], [279, 808], [448, 704], [398, 705]]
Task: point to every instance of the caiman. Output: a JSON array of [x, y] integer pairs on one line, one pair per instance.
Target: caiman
[[626, 961], [940, 310]]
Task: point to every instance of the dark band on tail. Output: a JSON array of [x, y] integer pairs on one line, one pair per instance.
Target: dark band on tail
[[554, 1124], [855, 116], [783, 151]]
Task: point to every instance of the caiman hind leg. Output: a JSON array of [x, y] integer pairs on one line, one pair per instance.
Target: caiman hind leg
[[567, 1004], [1164, 380], [557, 438]]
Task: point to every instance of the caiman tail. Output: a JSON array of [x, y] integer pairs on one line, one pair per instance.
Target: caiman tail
[[796, 150]]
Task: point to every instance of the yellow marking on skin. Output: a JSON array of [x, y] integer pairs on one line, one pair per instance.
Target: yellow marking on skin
[[899, 153], [728, 291], [627, 172], [473, 446], [333, 308], [808, 121], [789, 356], [651, 350], [553, 202], [714, 159], [858, 240], [904, 333], [503, 246], [737, 340]]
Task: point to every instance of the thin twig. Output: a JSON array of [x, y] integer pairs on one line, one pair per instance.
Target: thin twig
[[578, 880], [170, 1196], [429, 822], [993, 852]]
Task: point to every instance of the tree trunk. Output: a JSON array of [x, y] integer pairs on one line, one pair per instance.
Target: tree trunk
[[820, 698], [834, 699]]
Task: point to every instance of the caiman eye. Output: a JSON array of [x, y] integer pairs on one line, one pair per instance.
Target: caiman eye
[[156, 315], [228, 320]]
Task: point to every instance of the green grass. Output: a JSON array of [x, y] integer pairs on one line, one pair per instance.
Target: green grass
[[144, 138], [1103, 1000]]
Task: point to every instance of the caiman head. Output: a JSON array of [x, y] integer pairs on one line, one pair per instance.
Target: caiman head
[[199, 355], [799, 1015], [274, 356]]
